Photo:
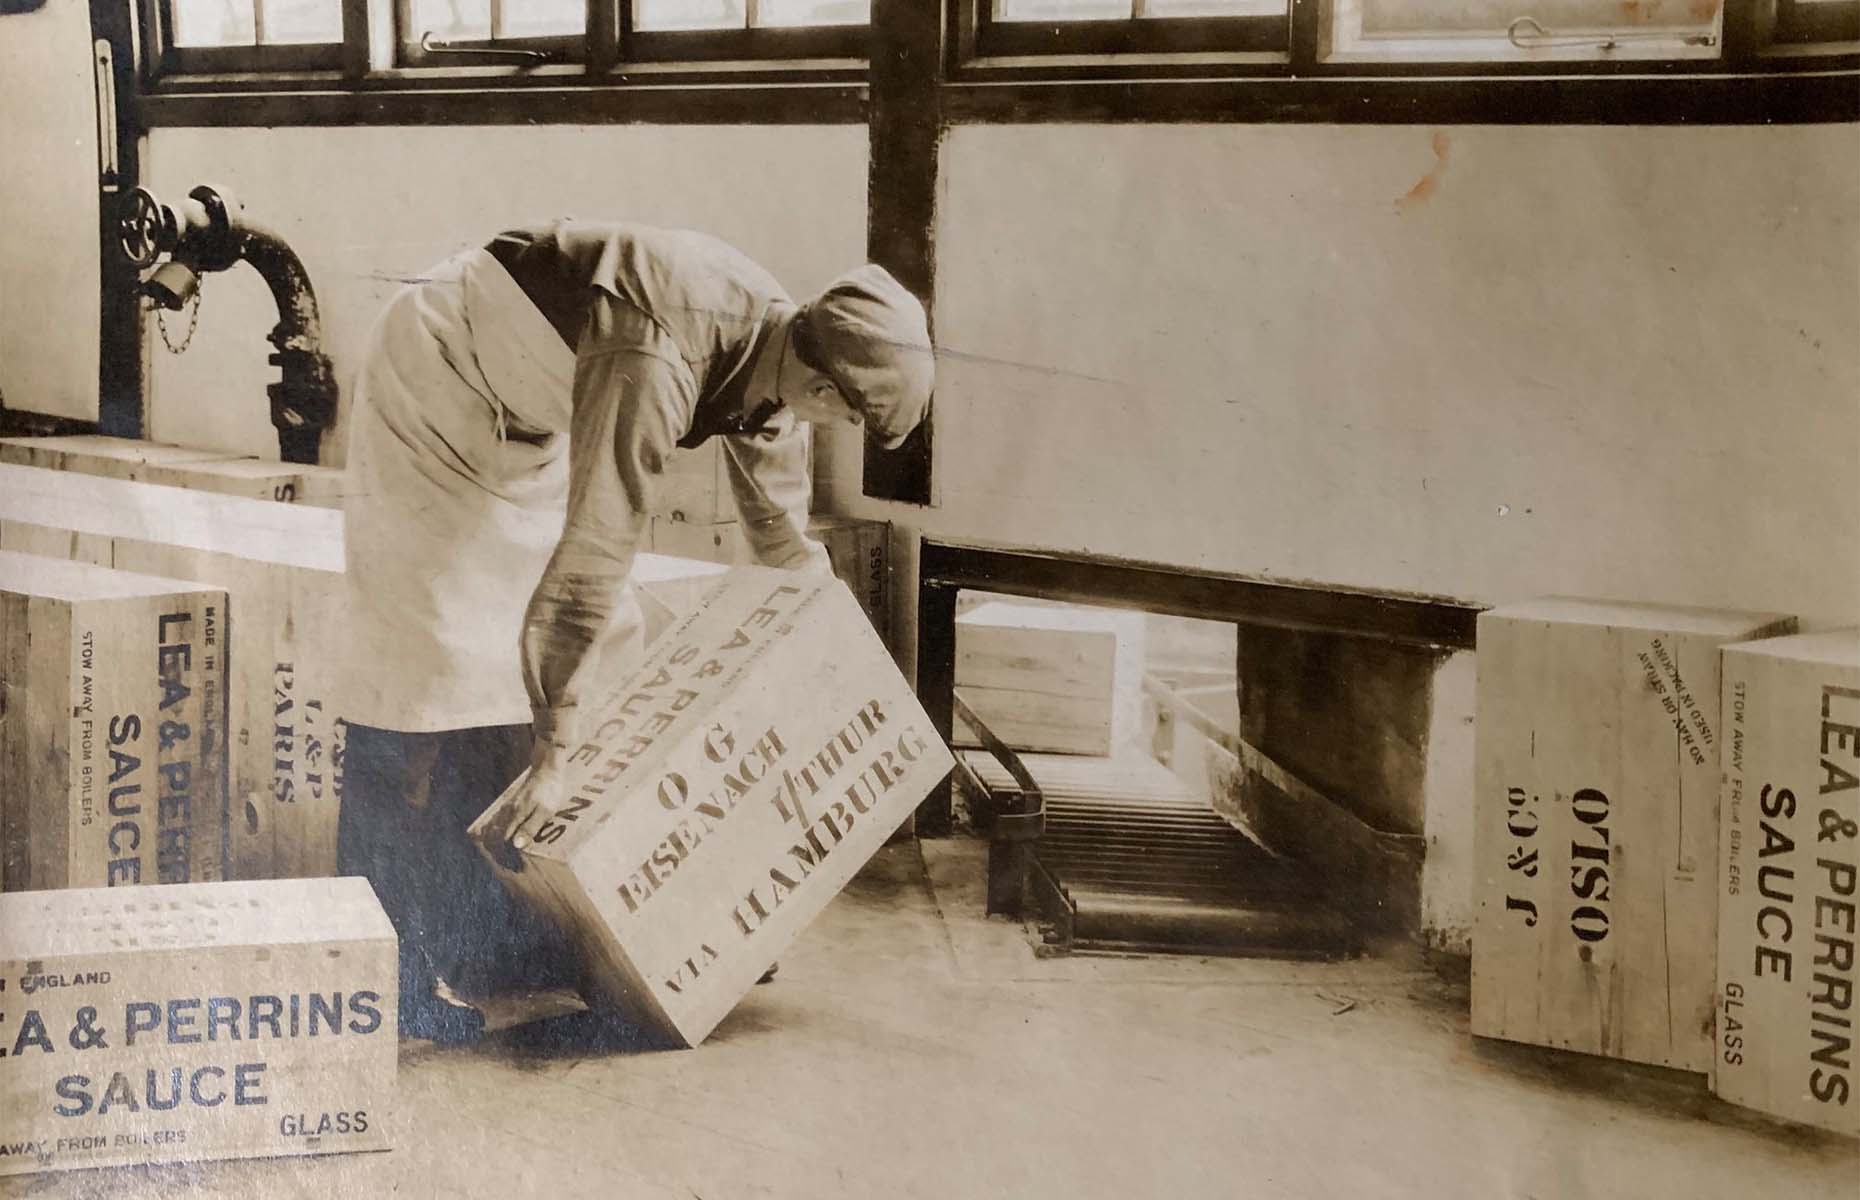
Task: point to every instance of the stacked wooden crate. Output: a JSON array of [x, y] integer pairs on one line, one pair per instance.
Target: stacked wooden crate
[[280, 566], [113, 747], [178, 466]]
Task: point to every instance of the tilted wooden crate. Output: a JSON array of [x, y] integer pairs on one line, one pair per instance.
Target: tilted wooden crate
[[722, 794], [1052, 679], [1597, 741], [195, 1021], [114, 739], [669, 588], [860, 551], [1789, 852]]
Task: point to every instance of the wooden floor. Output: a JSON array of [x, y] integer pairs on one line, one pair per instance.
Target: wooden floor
[[912, 1048]]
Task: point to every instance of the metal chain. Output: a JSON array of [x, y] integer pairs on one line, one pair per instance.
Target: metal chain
[[193, 323]]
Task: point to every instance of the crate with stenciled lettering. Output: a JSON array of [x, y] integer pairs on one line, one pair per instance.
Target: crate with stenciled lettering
[[281, 567], [1789, 879], [860, 551], [113, 746], [721, 794], [1596, 752], [193, 1022]]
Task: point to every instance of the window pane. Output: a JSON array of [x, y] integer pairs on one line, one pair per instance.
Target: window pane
[[814, 12], [689, 14], [1215, 8], [1062, 10], [214, 23], [1412, 17], [450, 20], [297, 22], [543, 18]]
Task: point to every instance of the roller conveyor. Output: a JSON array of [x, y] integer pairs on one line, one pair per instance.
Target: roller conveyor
[[1127, 858]]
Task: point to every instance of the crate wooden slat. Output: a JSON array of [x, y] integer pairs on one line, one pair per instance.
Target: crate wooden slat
[[97, 454], [1789, 855], [859, 549], [281, 567], [114, 741], [231, 1020], [1595, 825], [725, 792], [179, 466], [1051, 679]]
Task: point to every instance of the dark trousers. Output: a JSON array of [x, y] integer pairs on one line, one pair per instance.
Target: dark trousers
[[407, 800]]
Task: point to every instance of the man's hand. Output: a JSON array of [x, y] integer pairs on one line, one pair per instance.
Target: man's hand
[[539, 795]]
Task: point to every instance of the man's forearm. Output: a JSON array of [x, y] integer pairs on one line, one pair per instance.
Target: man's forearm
[[567, 616]]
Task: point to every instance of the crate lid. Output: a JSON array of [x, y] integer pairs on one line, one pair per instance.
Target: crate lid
[[662, 568], [292, 535], [96, 445], [1834, 647], [1075, 618], [62, 579], [183, 916]]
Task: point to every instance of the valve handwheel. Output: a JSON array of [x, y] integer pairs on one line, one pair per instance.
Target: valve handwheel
[[145, 228]]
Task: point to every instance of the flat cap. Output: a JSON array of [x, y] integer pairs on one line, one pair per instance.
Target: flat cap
[[870, 336]]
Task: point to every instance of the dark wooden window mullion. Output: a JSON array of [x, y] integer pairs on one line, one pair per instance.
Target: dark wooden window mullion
[[905, 124], [606, 18], [367, 37], [120, 407], [1306, 36]]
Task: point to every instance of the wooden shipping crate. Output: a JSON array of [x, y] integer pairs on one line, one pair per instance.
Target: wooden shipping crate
[[1789, 855], [712, 541], [281, 566], [1052, 679], [669, 588], [96, 454], [860, 552], [113, 750], [1595, 825], [195, 1022], [179, 466], [726, 791]]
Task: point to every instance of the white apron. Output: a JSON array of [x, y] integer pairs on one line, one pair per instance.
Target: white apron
[[449, 519]]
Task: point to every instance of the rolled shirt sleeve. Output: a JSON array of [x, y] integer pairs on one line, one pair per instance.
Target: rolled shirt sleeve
[[631, 399], [769, 477]]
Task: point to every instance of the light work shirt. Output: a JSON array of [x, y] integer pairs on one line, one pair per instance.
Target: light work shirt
[[515, 412]]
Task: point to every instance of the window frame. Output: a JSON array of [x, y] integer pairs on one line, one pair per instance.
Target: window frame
[[1133, 35], [1796, 24], [825, 75], [410, 52], [373, 55], [1672, 54], [166, 58]]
